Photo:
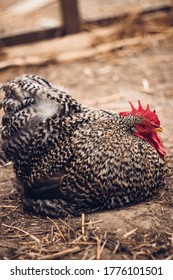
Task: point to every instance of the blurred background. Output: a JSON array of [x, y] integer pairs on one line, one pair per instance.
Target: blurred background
[[105, 52]]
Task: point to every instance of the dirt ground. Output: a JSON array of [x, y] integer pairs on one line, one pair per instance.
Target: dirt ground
[[143, 231]]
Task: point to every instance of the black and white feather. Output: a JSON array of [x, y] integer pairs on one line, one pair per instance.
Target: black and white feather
[[70, 159]]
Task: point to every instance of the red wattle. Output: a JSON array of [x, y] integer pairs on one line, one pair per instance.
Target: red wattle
[[155, 141]]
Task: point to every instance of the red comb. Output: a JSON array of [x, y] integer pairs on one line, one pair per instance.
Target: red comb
[[146, 113]]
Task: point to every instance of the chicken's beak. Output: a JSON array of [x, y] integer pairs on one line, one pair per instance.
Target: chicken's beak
[[158, 129]]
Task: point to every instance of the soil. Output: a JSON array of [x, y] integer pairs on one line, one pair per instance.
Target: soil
[[143, 231]]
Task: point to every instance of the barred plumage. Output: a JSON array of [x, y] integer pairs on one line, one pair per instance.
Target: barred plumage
[[71, 159]]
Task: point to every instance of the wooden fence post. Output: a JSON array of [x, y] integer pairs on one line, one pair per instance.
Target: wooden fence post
[[70, 16]]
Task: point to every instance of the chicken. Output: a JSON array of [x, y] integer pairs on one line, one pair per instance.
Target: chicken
[[71, 159]]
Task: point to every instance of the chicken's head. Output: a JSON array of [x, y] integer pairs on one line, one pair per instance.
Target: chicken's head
[[148, 126]]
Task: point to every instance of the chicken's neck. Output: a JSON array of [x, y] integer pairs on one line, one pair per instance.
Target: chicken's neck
[[155, 142]]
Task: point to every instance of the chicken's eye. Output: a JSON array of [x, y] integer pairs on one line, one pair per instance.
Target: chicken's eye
[[143, 125]]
